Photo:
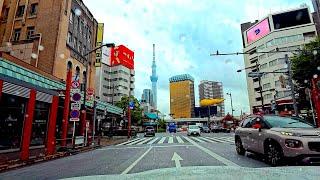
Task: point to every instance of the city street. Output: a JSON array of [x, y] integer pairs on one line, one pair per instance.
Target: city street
[[141, 154]]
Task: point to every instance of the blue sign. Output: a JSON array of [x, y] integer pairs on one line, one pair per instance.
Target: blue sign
[[131, 104], [75, 114]]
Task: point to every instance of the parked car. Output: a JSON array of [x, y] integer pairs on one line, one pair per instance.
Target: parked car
[[193, 130], [278, 138], [217, 128], [149, 131], [205, 129]]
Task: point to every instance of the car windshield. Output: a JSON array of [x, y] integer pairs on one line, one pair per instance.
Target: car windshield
[[287, 122], [193, 127], [117, 87]]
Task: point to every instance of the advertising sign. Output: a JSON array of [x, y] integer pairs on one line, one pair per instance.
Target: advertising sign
[[258, 31], [99, 43], [122, 55]]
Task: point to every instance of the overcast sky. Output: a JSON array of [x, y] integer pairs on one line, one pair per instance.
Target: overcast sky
[[185, 33]]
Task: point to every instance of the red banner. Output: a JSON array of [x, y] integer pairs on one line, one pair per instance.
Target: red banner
[[121, 55]]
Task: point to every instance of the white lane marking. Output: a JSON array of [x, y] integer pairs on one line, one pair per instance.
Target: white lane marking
[[135, 162], [209, 140], [144, 147], [146, 140], [154, 140], [197, 139], [170, 141], [127, 142], [224, 139], [217, 140], [176, 158], [214, 155], [135, 142], [179, 139], [162, 140]]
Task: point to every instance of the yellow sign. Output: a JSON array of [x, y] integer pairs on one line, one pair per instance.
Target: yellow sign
[[210, 102], [99, 43]]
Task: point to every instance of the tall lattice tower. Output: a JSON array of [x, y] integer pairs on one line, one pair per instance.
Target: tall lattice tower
[[154, 78]]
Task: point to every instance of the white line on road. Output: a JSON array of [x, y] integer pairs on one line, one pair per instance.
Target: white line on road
[[205, 138], [170, 141], [197, 139], [154, 140], [217, 140], [124, 143], [225, 139], [135, 162], [144, 147], [135, 142], [162, 140], [214, 155], [146, 140], [179, 139]]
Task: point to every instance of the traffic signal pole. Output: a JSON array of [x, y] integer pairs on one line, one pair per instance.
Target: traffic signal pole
[[291, 85]]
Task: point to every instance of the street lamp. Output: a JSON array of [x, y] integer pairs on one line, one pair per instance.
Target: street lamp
[[85, 85], [229, 94]]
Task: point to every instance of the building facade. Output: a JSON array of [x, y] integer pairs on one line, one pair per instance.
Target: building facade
[[115, 77], [285, 31], [212, 90], [182, 100], [51, 35], [147, 96]]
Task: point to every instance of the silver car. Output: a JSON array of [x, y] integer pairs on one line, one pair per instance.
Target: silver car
[[193, 130], [278, 138]]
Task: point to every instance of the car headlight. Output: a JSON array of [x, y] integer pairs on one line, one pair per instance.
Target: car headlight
[[293, 143], [289, 133]]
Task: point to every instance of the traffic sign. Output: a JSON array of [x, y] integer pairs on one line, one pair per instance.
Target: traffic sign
[[73, 91], [75, 84], [75, 113], [75, 106], [131, 104], [76, 97], [74, 119], [255, 74]]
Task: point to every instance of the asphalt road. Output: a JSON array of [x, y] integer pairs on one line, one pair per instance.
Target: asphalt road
[[142, 154]]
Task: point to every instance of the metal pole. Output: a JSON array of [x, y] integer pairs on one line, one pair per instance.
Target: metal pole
[[73, 134], [311, 105], [291, 85], [260, 87], [112, 92], [94, 120], [231, 105]]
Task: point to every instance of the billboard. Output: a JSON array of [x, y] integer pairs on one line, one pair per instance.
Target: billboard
[[258, 31], [121, 55], [291, 18], [99, 43]]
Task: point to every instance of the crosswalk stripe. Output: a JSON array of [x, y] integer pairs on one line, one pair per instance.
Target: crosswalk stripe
[[179, 139], [162, 140], [206, 139], [188, 139], [132, 143], [170, 141], [223, 139], [197, 139], [217, 140], [154, 140], [146, 140], [127, 142]]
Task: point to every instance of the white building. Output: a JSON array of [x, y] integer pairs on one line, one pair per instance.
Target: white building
[[285, 31], [113, 82]]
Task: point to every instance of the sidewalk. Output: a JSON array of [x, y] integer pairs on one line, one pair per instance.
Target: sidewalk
[[105, 141]]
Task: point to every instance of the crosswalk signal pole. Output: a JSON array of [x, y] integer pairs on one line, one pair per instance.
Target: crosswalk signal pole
[[291, 85]]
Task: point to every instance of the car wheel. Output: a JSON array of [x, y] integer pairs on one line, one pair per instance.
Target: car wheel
[[273, 154], [239, 148]]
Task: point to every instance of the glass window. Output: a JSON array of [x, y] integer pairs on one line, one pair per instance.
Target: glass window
[[263, 66], [71, 17], [273, 63], [39, 124], [270, 43], [12, 109], [266, 86], [247, 123], [281, 61], [30, 31], [277, 83], [20, 11], [70, 39], [5, 14], [16, 34], [287, 122], [34, 9]]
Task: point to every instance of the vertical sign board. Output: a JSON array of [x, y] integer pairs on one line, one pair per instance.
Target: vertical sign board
[[76, 97], [99, 43]]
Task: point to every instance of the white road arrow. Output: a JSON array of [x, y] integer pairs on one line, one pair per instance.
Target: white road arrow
[[176, 158]]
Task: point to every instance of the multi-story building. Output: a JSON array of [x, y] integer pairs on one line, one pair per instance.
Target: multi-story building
[[316, 14], [147, 96], [115, 76], [283, 32], [212, 90], [50, 35], [182, 96]]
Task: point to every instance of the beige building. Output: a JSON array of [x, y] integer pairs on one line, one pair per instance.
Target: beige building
[[285, 31], [50, 34]]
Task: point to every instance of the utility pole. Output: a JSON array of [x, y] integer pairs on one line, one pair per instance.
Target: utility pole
[[229, 94], [291, 85], [260, 87]]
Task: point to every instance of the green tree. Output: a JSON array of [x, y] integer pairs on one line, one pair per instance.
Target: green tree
[[304, 65], [136, 113]]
